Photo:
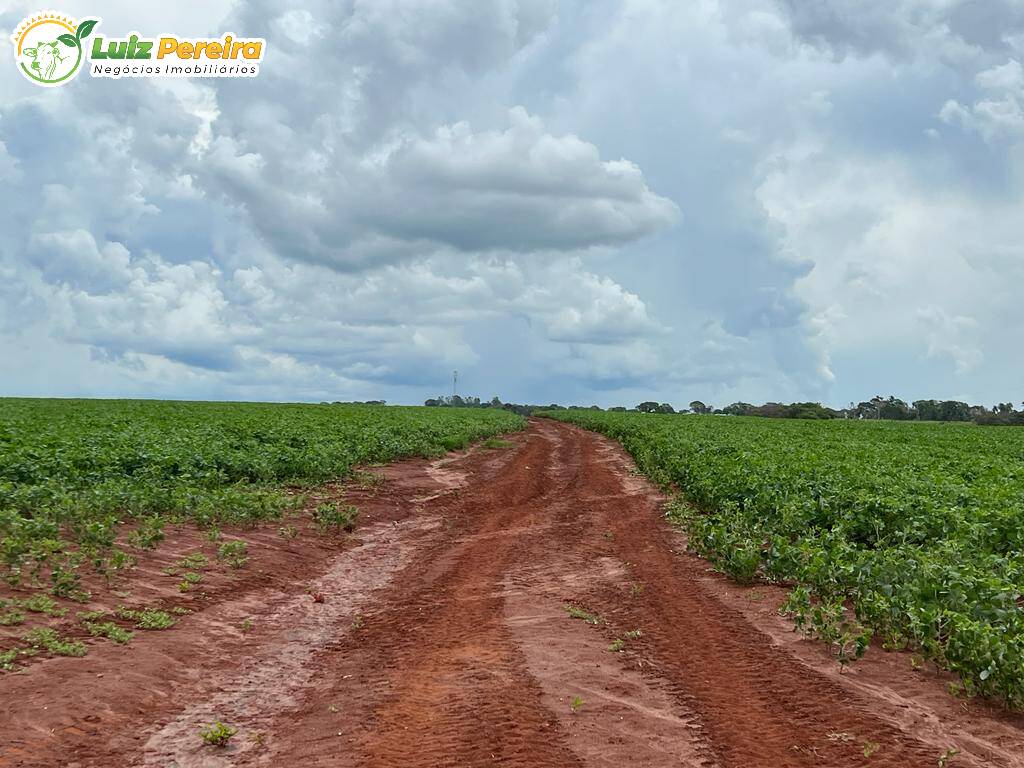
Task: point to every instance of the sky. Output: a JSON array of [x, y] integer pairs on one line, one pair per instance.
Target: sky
[[578, 201]]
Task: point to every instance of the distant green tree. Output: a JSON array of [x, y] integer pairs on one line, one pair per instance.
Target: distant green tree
[[894, 409], [808, 411], [954, 410], [739, 409], [869, 409]]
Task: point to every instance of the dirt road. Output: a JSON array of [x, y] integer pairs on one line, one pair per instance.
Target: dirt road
[[444, 638]]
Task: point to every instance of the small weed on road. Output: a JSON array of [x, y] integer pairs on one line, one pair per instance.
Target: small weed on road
[[147, 618], [578, 612], [217, 734], [331, 517], [233, 553], [48, 639], [109, 630]]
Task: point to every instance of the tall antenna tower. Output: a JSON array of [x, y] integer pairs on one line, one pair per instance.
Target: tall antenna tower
[[455, 383]]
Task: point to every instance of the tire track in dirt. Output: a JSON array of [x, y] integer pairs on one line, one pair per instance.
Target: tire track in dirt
[[269, 681], [447, 671], [444, 641], [434, 676]]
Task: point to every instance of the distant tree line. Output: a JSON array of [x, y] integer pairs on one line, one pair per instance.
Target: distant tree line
[[894, 409], [878, 407], [457, 401]]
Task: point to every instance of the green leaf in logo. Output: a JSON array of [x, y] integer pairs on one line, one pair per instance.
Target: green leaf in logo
[[68, 40], [85, 28]]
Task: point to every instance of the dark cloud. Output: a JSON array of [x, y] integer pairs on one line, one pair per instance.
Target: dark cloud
[[905, 29]]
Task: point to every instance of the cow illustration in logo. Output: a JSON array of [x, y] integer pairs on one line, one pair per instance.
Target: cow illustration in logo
[[46, 57], [48, 47]]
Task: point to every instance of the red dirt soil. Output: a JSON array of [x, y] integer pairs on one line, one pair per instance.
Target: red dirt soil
[[443, 639]]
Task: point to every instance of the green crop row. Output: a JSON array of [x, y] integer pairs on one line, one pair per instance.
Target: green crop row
[[913, 533], [72, 471]]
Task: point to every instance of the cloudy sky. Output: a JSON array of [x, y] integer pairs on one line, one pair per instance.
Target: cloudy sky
[[590, 202]]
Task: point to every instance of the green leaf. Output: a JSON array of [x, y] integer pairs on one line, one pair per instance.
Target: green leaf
[[68, 40], [85, 28]]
